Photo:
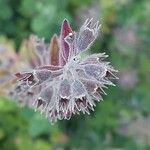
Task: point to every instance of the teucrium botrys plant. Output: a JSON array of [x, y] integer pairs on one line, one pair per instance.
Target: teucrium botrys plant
[[62, 83]]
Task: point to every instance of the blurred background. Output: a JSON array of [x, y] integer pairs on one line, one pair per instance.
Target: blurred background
[[122, 120]]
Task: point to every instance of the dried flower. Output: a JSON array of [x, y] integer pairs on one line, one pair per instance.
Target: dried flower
[[63, 83]]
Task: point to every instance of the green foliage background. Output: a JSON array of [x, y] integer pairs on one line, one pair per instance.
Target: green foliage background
[[124, 36]]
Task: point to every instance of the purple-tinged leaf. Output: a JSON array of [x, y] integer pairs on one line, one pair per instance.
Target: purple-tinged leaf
[[87, 35], [54, 51], [89, 85], [77, 89], [64, 47], [43, 75], [95, 71], [64, 89], [44, 98]]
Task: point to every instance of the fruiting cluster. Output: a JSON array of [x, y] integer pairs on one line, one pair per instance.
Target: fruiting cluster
[[62, 83]]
